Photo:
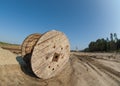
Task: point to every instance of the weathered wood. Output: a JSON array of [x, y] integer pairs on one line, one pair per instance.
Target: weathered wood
[[46, 54], [28, 46], [50, 54]]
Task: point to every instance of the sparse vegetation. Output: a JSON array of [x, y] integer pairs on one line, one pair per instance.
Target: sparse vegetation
[[4, 43]]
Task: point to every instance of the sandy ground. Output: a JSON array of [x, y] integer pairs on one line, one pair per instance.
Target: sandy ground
[[82, 69]]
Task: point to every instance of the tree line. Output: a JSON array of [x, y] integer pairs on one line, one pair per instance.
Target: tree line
[[104, 45]]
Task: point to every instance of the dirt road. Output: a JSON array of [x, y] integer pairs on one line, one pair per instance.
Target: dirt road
[[95, 71], [81, 70]]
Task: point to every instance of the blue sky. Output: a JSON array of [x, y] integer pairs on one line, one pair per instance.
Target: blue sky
[[82, 21]]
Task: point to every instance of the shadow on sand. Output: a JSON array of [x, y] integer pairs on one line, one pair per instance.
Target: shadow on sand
[[24, 67]]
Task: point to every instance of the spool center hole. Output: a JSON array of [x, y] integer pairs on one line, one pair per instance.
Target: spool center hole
[[54, 46], [56, 57]]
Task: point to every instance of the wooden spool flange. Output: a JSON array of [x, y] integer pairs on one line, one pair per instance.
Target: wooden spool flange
[[50, 54], [28, 46]]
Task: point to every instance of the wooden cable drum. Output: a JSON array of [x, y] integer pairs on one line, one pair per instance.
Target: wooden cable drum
[[28, 46], [49, 53]]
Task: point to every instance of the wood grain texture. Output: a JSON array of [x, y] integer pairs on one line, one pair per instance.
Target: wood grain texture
[[50, 54], [28, 46]]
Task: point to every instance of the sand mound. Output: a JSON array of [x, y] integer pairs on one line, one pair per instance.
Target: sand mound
[[7, 57]]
